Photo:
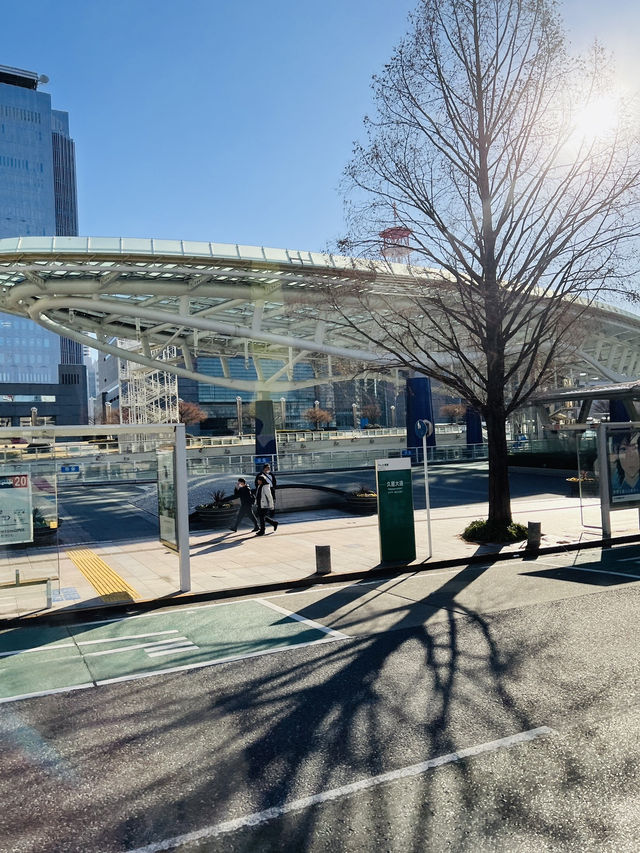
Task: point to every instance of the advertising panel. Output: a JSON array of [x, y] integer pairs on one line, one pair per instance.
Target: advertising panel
[[624, 466], [16, 514], [167, 515]]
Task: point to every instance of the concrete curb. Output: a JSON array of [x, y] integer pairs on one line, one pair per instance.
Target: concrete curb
[[380, 572]]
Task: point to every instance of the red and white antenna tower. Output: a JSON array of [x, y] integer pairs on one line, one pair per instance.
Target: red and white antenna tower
[[395, 246]]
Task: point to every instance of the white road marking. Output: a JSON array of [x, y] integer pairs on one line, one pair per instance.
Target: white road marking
[[127, 637], [258, 818], [52, 647], [49, 648], [173, 649], [630, 559], [291, 615], [231, 659], [602, 572], [133, 648], [183, 668], [47, 692]]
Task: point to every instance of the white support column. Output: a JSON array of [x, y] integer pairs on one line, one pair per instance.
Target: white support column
[[182, 506], [603, 472]]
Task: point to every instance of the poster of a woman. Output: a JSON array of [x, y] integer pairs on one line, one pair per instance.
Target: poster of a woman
[[625, 466]]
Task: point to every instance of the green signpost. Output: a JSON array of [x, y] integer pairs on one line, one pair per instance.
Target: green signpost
[[395, 510]]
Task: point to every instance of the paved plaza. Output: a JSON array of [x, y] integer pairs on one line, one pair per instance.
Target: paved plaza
[[95, 574]]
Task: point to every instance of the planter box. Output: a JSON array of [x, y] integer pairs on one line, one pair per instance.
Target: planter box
[[589, 487], [221, 517], [365, 505]]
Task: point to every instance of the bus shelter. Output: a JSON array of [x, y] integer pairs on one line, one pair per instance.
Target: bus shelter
[[36, 461]]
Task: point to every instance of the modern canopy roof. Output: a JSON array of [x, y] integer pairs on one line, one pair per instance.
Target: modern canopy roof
[[216, 299]]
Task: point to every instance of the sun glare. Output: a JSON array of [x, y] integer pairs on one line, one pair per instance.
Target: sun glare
[[596, 119]]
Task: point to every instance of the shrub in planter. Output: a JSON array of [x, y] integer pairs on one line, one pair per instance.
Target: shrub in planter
[[363, 501], [43, 528], [589, 485], [219, 511], [481, 530]]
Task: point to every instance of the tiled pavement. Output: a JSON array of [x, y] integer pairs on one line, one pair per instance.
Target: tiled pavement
[[222, 560]]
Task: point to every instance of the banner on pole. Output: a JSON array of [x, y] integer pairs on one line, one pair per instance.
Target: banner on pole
[[395, 510]]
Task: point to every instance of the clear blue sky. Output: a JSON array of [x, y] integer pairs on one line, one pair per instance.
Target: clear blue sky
[[227, 121]]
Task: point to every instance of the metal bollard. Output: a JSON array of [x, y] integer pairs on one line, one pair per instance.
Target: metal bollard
[[49, 595], [534, 534], [17, 577], [323, 559]]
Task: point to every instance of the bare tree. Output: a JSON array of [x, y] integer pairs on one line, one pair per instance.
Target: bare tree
[[480, 152], [371, 411], [190, 413], [454, 411], [317, 416]]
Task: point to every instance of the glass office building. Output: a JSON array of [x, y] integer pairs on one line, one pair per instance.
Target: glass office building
[[37, 198]]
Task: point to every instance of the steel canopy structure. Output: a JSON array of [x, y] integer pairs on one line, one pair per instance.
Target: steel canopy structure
[[226, 300]]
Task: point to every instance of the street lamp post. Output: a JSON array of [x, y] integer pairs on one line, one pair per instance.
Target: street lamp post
[[34, 416], [316, 406], [354, 409], [283, 411], [393, 416], [239, 414]]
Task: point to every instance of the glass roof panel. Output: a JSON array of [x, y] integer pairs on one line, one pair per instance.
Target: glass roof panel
[[167, 247], [191, 247], [101, 244], [74, 244], [45, 243], [251, 252], [276, 255], [137, 244], [224, 250]]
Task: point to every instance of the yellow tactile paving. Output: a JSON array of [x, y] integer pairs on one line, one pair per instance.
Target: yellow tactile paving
[[108, 584]]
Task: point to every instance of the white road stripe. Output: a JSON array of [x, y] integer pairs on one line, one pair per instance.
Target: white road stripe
[[337, 634], [49, 648], [630, 559], [127, 637], [132, 648], [258, 818], [173, 650], [601, 572], [213, 661], [171, 644], [52, 648], [47, 692]]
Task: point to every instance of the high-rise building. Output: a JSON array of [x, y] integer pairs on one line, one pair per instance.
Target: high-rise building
[[37, 198]]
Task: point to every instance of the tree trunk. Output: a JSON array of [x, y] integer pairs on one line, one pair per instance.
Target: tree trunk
[[499, 495]]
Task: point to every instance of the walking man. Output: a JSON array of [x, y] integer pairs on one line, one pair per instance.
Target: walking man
[[245, 494], [265, 504]]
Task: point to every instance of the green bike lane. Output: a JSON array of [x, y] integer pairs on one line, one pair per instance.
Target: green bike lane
[[36, 661]]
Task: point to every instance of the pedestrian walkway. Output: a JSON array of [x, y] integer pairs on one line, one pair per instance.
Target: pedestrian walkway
[[95, 574]]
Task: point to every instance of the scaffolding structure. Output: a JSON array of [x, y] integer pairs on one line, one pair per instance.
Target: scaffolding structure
[[147, 395]]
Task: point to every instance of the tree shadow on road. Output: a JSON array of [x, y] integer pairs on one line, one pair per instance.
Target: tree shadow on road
[[192, 751]]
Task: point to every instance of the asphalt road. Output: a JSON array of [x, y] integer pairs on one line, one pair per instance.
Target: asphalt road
[[104, 513], [400, 738]]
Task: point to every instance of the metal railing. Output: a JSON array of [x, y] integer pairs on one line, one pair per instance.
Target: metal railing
[[141, 466]]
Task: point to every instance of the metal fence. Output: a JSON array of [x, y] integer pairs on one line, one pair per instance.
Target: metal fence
[[141, 466]]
